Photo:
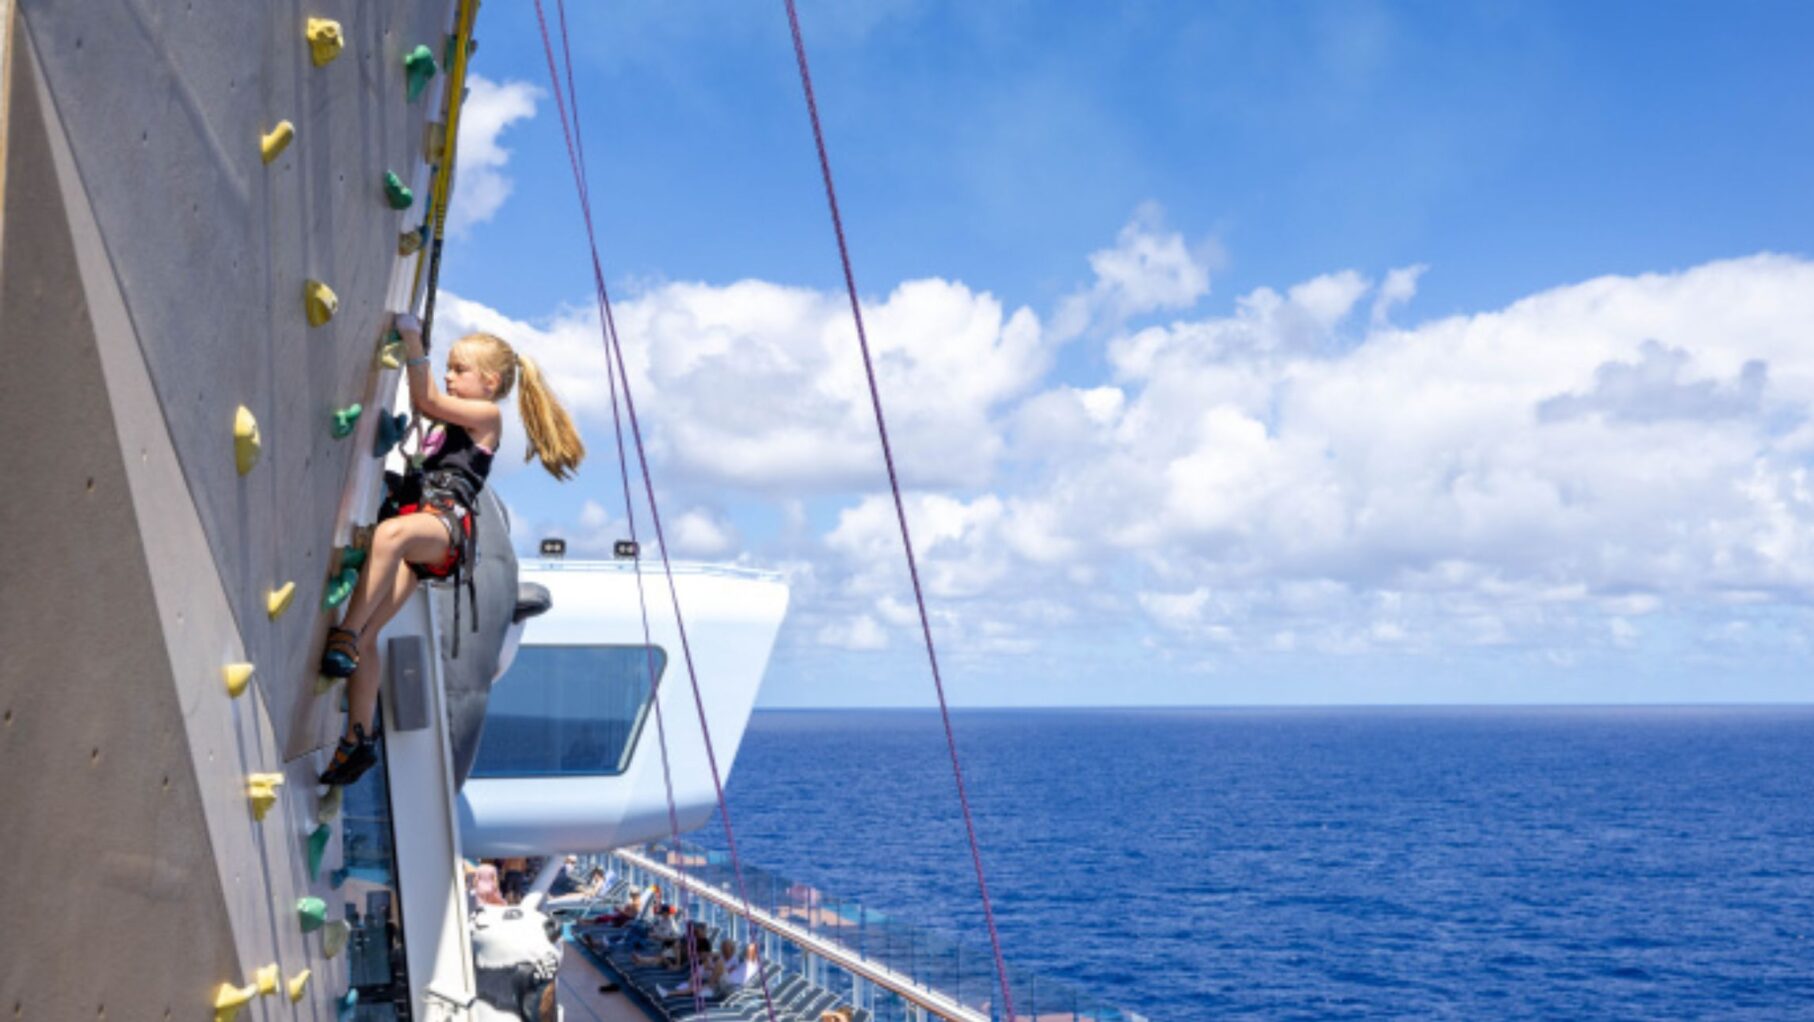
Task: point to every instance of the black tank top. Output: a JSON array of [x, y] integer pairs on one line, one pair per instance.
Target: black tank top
[[459, 456]]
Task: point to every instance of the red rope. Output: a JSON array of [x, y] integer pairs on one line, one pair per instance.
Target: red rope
[[614, 353], [900, 508]]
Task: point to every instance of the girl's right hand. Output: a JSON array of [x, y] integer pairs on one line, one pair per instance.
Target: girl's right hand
[[406, 323]]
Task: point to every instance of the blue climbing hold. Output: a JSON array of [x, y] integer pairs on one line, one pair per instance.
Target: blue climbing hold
[[390, 431]]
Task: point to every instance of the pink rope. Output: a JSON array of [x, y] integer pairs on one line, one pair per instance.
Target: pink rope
[[576, 156], [614, 353], [900, 508]]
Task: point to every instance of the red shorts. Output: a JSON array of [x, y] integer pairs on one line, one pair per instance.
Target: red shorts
[[448, 515]]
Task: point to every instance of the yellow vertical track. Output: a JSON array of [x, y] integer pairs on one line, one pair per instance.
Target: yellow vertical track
[[442, 189]]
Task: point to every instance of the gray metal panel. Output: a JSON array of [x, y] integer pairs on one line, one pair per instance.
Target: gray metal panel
[[164, 105], [105, 843], [468, 677], [405, 661]]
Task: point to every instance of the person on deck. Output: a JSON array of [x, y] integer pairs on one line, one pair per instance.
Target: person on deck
[[631, 909], [430, 536]]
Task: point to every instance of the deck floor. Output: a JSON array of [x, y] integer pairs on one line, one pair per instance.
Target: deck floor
[[580, 999]]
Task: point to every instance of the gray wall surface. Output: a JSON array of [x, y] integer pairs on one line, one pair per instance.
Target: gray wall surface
[[109, 878], [164, 105], [151, 280]]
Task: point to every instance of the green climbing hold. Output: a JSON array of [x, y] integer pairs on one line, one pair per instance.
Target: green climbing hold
[[312, 913], [345, 419], [396, 192], [318, 847], [419, 65], [340, 588], [390, 431], [352, 557]]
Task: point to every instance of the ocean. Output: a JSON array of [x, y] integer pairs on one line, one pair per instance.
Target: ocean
[[1468, 863]]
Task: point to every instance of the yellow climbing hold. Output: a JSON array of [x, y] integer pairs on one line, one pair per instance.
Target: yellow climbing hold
[[278, 600], [246, 443], [434, 141], [228, 999], [328, 806], [237, 677], [333, 937], [320, 301], [325, 41], [262, 790], [276, 140], [390, 353], [298, 983], [267, 978]]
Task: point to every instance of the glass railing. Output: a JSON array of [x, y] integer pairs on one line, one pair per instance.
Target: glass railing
[[896, 970]]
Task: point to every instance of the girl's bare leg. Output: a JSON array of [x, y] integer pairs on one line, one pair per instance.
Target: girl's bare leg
[[384, 587], [420, 539], [362, 687]]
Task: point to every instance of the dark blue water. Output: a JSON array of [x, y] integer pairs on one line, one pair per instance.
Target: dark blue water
[[1598, 863]]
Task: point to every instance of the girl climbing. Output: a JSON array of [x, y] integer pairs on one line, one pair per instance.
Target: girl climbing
[[430, 535]]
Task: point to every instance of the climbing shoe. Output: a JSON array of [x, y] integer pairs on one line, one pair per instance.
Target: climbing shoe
[[351, 759], [341, 657]]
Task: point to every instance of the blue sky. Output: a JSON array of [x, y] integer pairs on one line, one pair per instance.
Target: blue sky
[[1130, 254]]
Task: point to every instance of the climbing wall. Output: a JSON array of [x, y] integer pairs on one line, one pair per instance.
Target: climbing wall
[[180, 177], [165, 106]]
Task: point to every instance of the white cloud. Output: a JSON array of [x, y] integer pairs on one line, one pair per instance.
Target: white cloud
[[480, 182], [1180, 611], [698, 533], [757, 386], [1150, 269], [1632, 438], [859, 633], [1399, 287], [1295, 475]]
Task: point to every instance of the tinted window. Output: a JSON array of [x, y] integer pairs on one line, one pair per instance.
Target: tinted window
[[567, 710]]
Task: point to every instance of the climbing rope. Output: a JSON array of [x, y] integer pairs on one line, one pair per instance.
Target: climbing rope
[[900, 508], [441, 191], [572, 134]]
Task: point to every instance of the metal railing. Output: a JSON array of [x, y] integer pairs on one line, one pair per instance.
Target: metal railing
[[899, 972]]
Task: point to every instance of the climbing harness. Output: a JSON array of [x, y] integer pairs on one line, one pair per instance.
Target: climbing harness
[[452, 499]]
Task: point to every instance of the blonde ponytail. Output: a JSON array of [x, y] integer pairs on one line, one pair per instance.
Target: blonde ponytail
[[552, 437]]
